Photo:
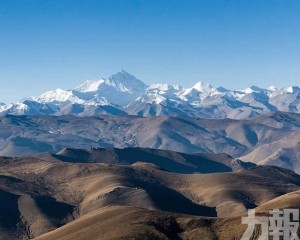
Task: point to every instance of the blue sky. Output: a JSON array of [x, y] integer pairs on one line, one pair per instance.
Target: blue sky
[[45, 44]]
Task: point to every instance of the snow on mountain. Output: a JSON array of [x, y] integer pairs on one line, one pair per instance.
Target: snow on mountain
[[3, 107], [30, 107], [286, 99], [121, 88], [159, 99], [203, 87], [122, 94], [58, 95], [290, 89], [203, 100], [90, 85], [162, 99], [98, 101], [239, 94], [198, 88], [126, 81], [164, 90], [272, 89], [253, 89], [16, 109], [121, 81], [198, 93], [149, 98]]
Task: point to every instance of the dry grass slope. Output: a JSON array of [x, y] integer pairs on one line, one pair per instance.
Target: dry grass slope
[[39, 195]]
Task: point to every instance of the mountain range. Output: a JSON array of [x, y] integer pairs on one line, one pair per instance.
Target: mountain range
[[117, 159], [268, 139], [124, 94]]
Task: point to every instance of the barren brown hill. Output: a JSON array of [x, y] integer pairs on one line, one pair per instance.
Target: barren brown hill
[[284, 152], [42, 194], [136, 224], [164, 159], [286, 201]]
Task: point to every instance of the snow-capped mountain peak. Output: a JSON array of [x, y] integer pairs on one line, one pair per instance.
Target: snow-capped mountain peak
[[127, 81], [58, 95], [122, 76], [122, 93], [253, 89], [121, 81], [120, 88], [202, 87], [291, 89], [198, 92], [272, 88]]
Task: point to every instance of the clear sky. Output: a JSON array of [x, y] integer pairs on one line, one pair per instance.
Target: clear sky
[[45, 44]]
